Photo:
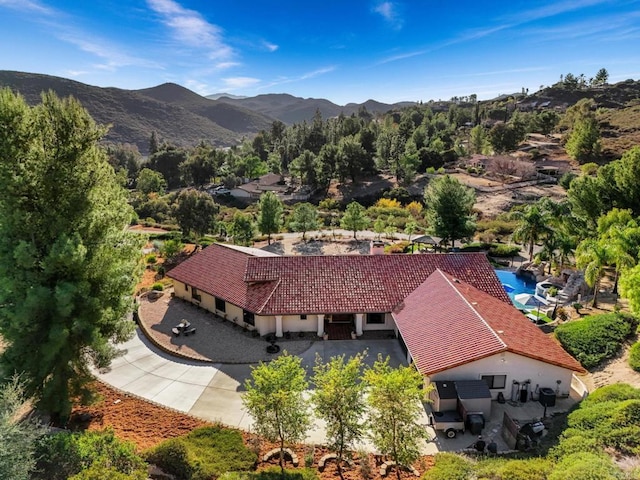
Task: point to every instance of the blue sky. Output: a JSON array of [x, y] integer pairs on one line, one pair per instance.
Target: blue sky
[[342, 50]]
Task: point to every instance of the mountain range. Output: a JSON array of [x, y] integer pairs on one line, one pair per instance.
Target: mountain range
[[177, 114]]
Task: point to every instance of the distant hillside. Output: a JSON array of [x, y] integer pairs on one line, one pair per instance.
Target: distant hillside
[[231, 117], [133, 115], [216, 96], [290, 109], [617, 95]]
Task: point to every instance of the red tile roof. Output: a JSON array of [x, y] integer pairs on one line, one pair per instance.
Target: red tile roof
[[325, 284], [465, 324]]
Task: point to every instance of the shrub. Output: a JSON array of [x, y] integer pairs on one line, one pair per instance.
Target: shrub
[[157, 287], [616, 392], [574, 444], [634, 357], [151, 259], [98, 472], [596, 337], [552, 292], [449, 466], [64, 455], [502, 250], [529, 469], [172, 456], [272, 473], [204, 453], [585, 466]]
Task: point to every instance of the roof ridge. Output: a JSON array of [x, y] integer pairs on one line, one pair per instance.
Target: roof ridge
[[266, 300], [506, 347]]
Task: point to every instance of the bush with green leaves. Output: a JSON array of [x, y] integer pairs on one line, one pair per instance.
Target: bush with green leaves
[[158, 287], [616, 392], [204, 453], [607, 419], [449, 466], [66, 454], [100, 472], [634, 357], [504, 250], [513, 469], [585, 465], [273, 473], [596, 337]]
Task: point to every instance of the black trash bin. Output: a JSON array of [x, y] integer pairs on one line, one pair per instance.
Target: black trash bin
[[547, 397], [475, 423]]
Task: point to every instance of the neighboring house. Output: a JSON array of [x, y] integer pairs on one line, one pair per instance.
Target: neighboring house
[[449, 311], [270, 182]]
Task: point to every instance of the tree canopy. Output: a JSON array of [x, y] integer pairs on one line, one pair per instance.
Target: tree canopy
[[67, 264], [270, 214], [449, 209]]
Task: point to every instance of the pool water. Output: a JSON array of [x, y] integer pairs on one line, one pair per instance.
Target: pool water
[[518, 284]]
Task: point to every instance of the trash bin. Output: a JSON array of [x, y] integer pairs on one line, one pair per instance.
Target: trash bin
[[547, 397]]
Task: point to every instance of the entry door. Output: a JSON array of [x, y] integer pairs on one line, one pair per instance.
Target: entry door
[[342, 318]]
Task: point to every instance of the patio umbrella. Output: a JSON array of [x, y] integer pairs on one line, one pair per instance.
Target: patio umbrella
[[530, 300]]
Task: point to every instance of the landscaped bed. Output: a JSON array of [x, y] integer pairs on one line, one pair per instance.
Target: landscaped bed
[[147, 425]]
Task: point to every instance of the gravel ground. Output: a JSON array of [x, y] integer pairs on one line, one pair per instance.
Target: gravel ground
[[216, 340]]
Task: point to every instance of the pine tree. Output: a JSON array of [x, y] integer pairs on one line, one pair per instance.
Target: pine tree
[[67, 263]]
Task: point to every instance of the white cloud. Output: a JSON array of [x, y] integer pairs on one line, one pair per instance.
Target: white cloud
[[112, 56], [304, 76], [272, 47], [227, 65], [389, 11], [240, 82], [191, 29], [27, 6]]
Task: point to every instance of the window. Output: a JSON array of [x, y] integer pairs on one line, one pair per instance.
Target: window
[[221, 305], [303, 317], [495, 381], [195, 295], [249, 318], [377, 318]]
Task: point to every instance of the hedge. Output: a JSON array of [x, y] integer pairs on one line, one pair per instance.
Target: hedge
[[449, 466], [596, 337], [634, 357]]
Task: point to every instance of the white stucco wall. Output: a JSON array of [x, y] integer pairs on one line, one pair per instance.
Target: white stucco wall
[[515, 367], [388, 324]]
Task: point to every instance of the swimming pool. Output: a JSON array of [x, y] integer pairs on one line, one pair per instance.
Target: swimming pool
[[518, 284]]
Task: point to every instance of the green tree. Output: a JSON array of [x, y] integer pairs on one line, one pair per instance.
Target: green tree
[[354, 218], [17, 436], [479, 143], [171, 248], [339, 400], [379, 227], [195, 212], [503, 137], [533, 226], [449, 209], [167, 161], [241, 229], [67, 263], [593, 256], [305, 218], [150, 181], [270, 214], [275, 399], [584, 143], [601, 78], [394, 400]]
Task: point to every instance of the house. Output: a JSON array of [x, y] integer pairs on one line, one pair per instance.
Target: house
[[252, 190], [449, 312]]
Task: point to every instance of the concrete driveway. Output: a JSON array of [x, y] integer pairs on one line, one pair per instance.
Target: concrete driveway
[[214, 391]]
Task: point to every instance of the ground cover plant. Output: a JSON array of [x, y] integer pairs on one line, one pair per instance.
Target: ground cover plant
[[596, 337], [206, 452]]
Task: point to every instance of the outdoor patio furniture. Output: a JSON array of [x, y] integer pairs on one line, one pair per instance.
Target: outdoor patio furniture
[[176, 331], [189, 331], [183, 327]]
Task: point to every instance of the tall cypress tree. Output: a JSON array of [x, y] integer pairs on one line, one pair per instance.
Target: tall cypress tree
[[67, 265]]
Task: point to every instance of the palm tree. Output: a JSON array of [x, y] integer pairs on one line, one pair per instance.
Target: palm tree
[[593, 256], [550, 245], [532, 227], [566, 248], [624, 248]]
